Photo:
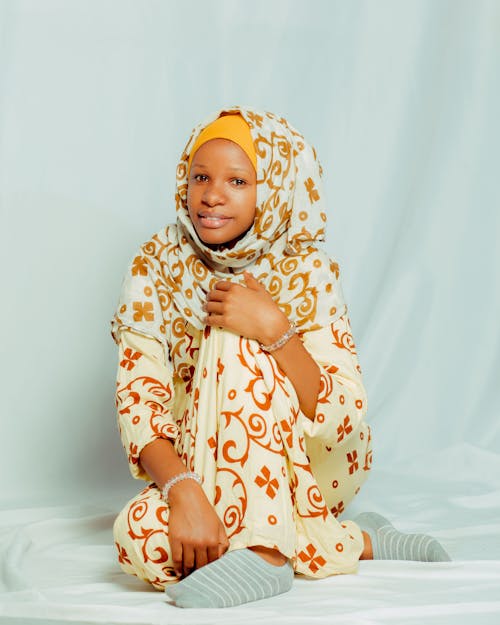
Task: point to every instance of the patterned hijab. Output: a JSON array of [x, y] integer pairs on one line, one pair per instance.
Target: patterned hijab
[[175, 268]]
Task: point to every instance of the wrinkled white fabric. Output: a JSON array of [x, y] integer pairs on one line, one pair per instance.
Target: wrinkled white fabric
[[59, 563]]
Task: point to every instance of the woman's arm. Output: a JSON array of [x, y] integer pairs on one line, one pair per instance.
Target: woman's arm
[[144, 396], [144, 403], [302, 371], [161, 462]]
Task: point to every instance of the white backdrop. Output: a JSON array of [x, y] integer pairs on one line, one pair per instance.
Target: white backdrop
[[401, 99]]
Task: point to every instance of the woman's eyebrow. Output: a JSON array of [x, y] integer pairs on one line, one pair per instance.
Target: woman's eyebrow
[[242, 169]]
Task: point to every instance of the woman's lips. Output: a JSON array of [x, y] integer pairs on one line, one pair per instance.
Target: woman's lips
[[213, 221]]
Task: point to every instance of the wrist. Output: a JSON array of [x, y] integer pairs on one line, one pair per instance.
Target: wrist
[[281, 341], [175, 484], [184, 492], [274, 330]]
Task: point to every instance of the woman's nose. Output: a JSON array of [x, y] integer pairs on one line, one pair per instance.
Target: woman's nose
[[213, 195]]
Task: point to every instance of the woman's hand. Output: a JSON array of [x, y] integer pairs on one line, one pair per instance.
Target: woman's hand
[[249, 310], [195, 532]]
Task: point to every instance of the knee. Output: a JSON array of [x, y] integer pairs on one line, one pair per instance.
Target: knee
[[123, 540], [120, 524], [141, 539], [140, 511]]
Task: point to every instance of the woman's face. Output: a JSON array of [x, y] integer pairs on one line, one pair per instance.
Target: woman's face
[[222, 192]]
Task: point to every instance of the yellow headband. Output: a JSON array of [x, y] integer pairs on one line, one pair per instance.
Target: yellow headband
[[232, 127]]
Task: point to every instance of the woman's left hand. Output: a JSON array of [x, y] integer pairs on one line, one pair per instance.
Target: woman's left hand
[[249, 310]]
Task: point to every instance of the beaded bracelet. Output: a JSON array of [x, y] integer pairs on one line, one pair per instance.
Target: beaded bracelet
[[188, 475], [281, 341]]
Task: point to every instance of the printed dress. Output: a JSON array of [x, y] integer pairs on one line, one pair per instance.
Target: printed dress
[[275, 477]]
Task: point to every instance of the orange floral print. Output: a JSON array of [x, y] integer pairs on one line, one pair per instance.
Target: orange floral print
[[344, 429], [143, 311], [352, 458], [310, 558], [311, 190], [130, 356], [139, 266], [265, 479]]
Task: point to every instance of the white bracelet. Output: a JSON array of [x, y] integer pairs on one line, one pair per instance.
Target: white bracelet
[[188, 475], [281, 341]]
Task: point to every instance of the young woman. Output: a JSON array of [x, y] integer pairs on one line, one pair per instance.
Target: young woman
[[239, 391]]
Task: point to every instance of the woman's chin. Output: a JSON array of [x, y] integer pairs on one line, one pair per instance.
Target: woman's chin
[[215, 240]]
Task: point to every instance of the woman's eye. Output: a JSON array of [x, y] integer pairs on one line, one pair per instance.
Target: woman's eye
[[238, 182], [201, 177]]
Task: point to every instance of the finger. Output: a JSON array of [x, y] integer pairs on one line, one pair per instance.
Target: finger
[[215, 320], [222, 548], [214, 307], [201, 558], [251, 281], [223, 541], [187, 560], [223, 285], [213, 553], [176, 548], [216, 295]]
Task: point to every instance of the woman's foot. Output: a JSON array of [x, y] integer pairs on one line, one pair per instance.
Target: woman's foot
[[367, 553], [387, 543], [273, 556], [237, 577]]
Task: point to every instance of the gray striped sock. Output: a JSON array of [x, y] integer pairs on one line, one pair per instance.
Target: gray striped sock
[[390, 544], [236, 577]]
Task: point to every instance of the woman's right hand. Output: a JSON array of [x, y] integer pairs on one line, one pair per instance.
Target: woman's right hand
[[195, 532]]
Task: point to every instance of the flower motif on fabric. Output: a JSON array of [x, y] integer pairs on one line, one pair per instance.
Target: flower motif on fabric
[[139, 266], [352, 459], [338, 509], [264, 480], [309, 555], [128, 362], [311, 190], [344, 429], [143, 311]]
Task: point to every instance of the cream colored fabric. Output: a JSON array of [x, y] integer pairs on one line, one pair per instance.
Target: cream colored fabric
[[275, 477]]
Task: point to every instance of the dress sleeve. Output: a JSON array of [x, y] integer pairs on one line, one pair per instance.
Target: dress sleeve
[[144, 396], [342, 401]]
